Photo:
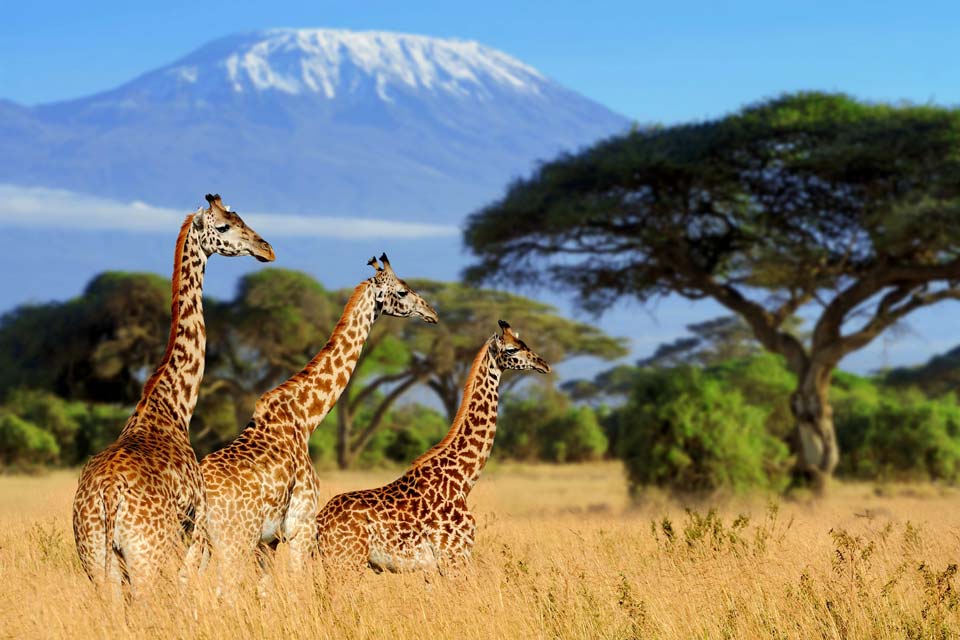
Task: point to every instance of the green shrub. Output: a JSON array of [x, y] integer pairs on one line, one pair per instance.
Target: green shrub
[[22, 442], [764, 382], [406, 432], [542, 424], [49, 413], [414, 428], [902, 436], [688, 432], [574, 436], [78, 429], [100, 424]]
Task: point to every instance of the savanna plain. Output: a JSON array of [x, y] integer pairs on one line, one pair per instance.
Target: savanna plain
[[562, 552]]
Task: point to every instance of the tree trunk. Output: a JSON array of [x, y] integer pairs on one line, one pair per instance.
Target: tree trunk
[[451, 404], [816, 437]]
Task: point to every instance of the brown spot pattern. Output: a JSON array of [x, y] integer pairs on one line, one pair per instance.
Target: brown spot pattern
[[420, 521], [139, 500]]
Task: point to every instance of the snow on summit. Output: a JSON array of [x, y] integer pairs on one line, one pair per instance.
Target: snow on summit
[[328, 62], [319, 122]]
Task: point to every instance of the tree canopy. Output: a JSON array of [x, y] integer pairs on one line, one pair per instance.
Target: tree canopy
[[101, 345], [410, 353], [98, 346], [807, 199]]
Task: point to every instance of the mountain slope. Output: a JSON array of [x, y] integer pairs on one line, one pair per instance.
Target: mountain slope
[[310, 121]]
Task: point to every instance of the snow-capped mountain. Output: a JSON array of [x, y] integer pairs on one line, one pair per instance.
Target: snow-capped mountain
[[332, 62], [309, 121]]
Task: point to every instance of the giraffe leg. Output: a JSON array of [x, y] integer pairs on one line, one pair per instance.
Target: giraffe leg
[[343, 560], [300, 521], [145, 562], [303, 544], [235, 557], [455, 553], [195, 563], [150, 539]]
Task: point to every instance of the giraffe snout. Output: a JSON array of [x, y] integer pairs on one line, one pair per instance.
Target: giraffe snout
[[264, 252], [429, 315]]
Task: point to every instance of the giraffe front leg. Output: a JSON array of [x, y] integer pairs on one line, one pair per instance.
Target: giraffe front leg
[[299, 527], [457, 546], [303, 544], [198, 555]]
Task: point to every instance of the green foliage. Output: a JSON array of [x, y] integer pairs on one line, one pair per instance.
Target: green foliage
[[765, 382], [806, 197], [775, 196], [905, 436], [412, 429], [99, 346], [22, 442], [60, 419], [100, 424], [77, 429], [541, 424], [281, 318], [686, 431], [407, 431]]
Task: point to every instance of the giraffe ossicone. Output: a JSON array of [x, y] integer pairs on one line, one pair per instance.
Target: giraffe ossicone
[[421, 521], [262, 488], [137, 498]]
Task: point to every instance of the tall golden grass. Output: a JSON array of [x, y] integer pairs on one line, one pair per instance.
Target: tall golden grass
[[560, 554]]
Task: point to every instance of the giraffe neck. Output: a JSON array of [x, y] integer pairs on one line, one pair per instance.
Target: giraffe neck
[[464, 451], [173, 388], [311, 393]]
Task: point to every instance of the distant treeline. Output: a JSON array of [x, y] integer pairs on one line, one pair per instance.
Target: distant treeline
[[70, 372], [709, 411]]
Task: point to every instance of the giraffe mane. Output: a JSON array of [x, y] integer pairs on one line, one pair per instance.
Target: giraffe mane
[[468, 388], [174, 310]]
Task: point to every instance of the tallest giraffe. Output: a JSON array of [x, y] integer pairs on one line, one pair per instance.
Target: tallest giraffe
[[136, 498]]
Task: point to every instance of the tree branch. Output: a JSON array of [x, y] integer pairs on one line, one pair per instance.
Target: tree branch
[[886, 315], [364, 436]]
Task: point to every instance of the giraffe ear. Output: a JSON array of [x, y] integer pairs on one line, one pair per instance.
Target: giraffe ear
[[373, 263], [198, 219], [386, 262]]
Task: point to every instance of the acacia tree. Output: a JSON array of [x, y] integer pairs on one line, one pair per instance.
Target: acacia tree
[[807, 200], [401, 354], [276, 322], [98, 346]]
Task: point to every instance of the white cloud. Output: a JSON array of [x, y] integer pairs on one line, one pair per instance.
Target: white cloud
[[42, 207]]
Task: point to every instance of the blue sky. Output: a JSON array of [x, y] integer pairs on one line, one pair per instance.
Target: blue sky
[[663, 61], [653, 62]]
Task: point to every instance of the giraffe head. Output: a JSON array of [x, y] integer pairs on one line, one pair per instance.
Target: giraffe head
[[512, 353], [223, 231], [395, 296]]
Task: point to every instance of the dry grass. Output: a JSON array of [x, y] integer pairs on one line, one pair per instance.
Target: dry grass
[[560, 554]]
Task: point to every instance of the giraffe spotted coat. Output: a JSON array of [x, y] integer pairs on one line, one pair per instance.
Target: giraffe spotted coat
[[262, 487], [136, 499], [421, 519]]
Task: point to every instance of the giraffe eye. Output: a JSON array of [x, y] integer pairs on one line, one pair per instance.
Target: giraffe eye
[[222, 228], [402, 294], [511, 350]]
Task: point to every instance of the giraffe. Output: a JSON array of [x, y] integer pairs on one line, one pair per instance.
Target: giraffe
[[421, 519], [262, 488], [137, 498]]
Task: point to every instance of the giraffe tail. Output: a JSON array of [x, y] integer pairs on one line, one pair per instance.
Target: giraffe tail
[[111, 496]]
